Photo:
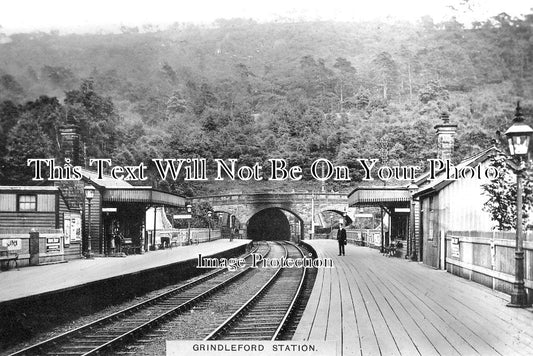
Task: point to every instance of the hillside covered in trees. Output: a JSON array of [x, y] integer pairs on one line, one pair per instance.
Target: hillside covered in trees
[[253, 91]]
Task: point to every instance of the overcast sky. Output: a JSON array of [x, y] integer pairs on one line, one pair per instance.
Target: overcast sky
[[94, 15]]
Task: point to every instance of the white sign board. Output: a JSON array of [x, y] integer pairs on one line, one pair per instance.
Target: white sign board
[[455, 248], [12, 244], [71, 228], [182, 216]]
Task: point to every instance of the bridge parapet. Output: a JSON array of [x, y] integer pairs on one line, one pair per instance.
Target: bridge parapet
[[276, 197], [302, 204]]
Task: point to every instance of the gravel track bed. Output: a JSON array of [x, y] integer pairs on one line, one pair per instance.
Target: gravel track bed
[[204, 317]]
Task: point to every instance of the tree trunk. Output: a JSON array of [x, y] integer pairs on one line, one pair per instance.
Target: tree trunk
[[342, 99], [410, 82]]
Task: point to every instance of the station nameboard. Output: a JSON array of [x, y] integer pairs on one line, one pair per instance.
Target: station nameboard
[[182, 216]]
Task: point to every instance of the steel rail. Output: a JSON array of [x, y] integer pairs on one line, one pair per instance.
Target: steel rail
[[228, 324], [37, 348], [293, 302]]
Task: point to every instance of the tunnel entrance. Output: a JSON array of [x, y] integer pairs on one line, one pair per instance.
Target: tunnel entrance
[[269, 224]]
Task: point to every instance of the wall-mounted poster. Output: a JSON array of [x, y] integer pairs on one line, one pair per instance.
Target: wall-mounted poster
[[66, 231], [72, 228]]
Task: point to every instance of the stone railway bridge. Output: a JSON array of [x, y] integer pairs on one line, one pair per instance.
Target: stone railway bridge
[[277, 215]]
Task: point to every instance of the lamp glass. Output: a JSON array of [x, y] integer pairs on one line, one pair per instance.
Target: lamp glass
[[89, 192], [518, 136], [519, 145]]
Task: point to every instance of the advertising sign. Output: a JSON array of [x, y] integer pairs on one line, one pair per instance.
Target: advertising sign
[[53, 244], [455, 253], [12, 244], [72, 228]]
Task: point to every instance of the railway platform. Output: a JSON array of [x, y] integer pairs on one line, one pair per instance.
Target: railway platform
[[37, 280], [374, 305]]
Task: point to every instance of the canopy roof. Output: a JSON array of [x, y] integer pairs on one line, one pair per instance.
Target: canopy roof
[[119, 191], [142, 195], [396, 197]]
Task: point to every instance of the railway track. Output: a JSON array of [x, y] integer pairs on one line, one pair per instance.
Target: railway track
[[131, 323], [264, 316], [259, 312]]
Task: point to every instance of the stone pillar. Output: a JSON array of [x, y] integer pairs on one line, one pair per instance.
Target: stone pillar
[[244, 229], [445, 138], [307, 230], [34, 248]]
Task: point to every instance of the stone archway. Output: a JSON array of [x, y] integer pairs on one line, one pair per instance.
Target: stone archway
[[339, 215]]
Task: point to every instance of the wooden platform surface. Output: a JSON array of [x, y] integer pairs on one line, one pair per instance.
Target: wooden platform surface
[[41, 279], [376, 305]]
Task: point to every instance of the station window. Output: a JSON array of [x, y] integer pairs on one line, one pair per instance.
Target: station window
[[27, 203]]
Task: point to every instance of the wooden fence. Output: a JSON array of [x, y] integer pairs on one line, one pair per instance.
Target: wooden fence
[[180, 237], [51, 246], [488, 258], [364, 237]]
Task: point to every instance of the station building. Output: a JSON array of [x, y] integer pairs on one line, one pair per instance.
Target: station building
[[42, 209], [69, 224], [117, 208], [395, 203]]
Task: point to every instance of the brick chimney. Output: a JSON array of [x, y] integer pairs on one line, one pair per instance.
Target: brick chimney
[[71, 146], [445, 138]]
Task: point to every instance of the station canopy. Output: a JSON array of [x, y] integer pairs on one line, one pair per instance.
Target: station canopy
[[387, 197], [119, 191]]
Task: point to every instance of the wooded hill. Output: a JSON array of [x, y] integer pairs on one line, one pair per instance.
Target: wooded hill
[[253, 91]]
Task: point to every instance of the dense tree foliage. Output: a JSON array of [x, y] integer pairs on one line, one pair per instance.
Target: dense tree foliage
[[239, 89], [502, 193]]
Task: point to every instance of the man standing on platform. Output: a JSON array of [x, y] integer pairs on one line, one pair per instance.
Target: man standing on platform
[[341, 239]]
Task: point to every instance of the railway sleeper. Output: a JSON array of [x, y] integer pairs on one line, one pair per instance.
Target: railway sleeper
[[244, 329], [249, 323]]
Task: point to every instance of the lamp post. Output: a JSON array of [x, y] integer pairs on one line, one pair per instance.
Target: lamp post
[[312, 233], [412, 188], [189, 211], [89, 195], [519, 135], [209, 213]]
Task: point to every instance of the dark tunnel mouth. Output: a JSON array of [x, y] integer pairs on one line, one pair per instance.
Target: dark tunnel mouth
[[269, 224]]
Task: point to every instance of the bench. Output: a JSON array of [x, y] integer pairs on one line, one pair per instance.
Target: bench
[[7, 256], [174, 243], [131, 249], [165, 241], [390, 250]]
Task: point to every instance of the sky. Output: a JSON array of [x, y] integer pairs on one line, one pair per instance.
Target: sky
[[108, 15]]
